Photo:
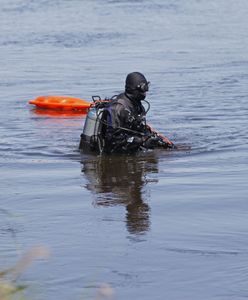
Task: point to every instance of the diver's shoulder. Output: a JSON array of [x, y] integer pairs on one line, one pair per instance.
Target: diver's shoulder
[[122, 99]]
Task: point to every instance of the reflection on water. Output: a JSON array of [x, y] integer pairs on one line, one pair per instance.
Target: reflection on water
[[122, 180], [57, 113]]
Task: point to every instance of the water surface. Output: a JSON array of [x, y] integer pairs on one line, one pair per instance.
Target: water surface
[[160, 225]]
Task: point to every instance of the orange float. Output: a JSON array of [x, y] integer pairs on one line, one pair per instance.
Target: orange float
[[67, 103]]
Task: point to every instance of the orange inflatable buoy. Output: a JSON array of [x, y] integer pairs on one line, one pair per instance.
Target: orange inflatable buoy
[[61, 103]]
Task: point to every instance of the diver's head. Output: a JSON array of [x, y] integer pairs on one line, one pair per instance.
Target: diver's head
[[136, 86]]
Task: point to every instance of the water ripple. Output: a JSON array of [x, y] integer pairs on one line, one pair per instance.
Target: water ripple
[[67, 40], [204, 252]]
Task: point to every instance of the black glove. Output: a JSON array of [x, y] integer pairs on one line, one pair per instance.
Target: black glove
[[151, 142], [155, 141], [163, 144], [171, 146]]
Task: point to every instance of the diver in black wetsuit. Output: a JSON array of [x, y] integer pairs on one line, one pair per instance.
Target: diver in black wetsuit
[[125, 129]]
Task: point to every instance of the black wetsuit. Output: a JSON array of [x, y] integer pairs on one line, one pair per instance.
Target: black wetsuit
[[126, 127]]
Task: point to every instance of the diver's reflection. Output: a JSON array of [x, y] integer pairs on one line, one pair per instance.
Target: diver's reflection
[[122, 180]]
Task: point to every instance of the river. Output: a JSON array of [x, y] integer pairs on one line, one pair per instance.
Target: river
[[159, 225]]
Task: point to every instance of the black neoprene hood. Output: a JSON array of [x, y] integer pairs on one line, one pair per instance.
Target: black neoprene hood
[[134, 80]]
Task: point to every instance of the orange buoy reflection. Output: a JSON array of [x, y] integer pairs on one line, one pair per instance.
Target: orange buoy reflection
[[59, 113]]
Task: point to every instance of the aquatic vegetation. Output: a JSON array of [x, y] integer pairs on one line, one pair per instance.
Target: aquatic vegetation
[[9, 287]]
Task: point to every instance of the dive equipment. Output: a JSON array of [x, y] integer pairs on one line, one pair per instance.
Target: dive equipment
[[93, 136]]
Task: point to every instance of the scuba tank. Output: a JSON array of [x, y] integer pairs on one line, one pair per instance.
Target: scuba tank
[[91, 138]]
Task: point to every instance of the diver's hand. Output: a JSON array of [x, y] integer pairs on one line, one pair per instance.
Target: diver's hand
[[151, 142], [170, 146], [166, 145], [155, 141]]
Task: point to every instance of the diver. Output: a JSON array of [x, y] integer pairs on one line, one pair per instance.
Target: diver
[[122, 124]]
